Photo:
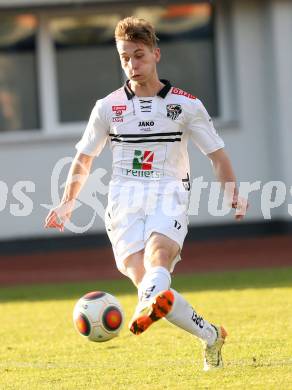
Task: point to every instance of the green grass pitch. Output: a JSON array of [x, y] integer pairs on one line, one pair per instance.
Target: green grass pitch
[[40, 349]]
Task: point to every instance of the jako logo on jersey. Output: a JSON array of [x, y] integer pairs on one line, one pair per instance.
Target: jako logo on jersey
[[173, 111], [146, 123], [177, 91]]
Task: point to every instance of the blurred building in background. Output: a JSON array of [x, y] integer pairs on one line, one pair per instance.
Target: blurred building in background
[[58, 57]]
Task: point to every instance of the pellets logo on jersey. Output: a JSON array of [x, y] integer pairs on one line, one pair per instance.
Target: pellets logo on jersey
[[143, 160], [173, 111]]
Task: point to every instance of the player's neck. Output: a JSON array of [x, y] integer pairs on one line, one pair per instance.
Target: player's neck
[[147, 88]]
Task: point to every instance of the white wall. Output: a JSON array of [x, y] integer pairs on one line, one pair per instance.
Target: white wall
[[258, 135]]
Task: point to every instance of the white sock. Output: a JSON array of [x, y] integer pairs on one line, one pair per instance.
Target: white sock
[[155, 280], [184, 316]]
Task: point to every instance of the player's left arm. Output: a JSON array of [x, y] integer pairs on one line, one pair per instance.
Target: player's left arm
[[224, 173], [206, 138]]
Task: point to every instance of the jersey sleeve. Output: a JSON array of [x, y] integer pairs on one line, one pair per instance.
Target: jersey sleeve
[[201, 128], [96, 133]]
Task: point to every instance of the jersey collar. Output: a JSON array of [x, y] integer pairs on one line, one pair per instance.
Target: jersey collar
[[162, 93]]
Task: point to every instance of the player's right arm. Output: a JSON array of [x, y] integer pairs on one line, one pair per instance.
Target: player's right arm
[[90, 146], [77, 176]]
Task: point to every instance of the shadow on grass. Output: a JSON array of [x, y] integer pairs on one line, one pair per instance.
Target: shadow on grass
[[261, 278]]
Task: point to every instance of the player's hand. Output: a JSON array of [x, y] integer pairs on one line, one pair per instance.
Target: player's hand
[[240, 205], [59, 215]]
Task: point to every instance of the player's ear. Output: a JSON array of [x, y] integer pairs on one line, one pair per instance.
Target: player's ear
[[157, 54]]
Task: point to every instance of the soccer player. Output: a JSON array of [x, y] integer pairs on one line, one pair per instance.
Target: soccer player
[[148, 123]]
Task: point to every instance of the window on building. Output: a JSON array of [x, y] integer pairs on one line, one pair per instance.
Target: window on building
[[87, 63], [187, 42], [18, 74]]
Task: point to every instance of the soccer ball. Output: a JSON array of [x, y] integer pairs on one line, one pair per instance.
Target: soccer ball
[[98, 316]]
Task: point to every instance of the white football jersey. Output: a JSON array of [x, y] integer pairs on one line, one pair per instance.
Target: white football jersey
[[148, 135]]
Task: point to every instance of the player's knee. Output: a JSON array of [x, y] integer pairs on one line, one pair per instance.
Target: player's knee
[[158, 256], [160, 251]]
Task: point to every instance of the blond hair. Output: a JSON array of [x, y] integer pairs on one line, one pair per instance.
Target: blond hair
[[136, 30]]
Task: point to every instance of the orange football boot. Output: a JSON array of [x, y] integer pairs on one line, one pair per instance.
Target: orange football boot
[[158, 308]]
